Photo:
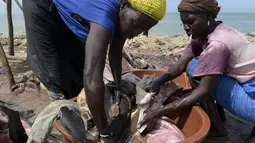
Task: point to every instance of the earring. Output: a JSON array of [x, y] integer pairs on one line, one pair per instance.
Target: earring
[[208, 23]]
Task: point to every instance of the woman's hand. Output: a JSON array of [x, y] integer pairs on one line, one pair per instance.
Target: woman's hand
[[154, 87], [149, 116]]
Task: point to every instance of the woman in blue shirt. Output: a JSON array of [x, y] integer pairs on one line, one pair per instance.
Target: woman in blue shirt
[[67, 42]]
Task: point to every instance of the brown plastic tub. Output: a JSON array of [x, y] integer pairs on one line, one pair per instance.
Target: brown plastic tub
[[194, 122]]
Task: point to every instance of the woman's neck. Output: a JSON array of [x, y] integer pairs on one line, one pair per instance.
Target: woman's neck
[[211, 28]]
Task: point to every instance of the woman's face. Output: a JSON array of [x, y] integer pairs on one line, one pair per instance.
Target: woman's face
[[133, 22], [194, 24]]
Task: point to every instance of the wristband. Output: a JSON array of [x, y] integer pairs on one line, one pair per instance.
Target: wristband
[[114, 86], [104, 136], [163, 78]]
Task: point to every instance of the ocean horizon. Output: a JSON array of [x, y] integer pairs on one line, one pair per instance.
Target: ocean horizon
[[170, 25]]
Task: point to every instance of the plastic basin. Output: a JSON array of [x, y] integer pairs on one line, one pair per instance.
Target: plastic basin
[[194, 122]]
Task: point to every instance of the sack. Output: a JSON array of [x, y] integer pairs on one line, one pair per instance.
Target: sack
[[165, 131]]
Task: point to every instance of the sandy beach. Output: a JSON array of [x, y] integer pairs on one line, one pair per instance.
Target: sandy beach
[[157, 51]]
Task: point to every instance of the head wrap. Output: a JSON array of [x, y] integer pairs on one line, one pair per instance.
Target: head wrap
[[155, 9], [209, 7]]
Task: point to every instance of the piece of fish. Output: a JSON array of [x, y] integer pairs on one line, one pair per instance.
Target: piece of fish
[[140, 97], [146, 100], [165, 92]]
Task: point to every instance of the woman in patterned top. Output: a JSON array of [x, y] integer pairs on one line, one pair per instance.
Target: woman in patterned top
[[53, 27], [222, 63]]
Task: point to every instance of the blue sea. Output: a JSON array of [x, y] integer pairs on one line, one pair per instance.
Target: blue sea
[[170, 25]]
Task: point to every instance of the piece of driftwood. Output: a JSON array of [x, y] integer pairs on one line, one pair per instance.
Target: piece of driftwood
[[18, 58], [10, 27], [19, 5], [28, 80], [135, 61], [6, 66], [126, 55]]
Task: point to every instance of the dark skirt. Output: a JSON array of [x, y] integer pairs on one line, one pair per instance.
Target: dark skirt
[[54, 53]]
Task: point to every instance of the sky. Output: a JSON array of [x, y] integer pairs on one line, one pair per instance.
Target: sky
[[227, 6]]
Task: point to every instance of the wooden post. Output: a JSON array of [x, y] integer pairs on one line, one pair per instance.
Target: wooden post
[[19, 5], [6, 66], [146, 33], [10, 26]]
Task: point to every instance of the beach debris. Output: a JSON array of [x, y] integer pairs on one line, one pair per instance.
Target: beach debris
[[136, 61], [28, 82]]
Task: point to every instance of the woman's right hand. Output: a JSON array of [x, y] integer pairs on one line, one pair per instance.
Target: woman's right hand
[[154, 87]]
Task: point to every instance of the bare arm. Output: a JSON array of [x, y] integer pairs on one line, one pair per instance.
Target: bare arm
[[176, 70], [205, 87], [95, 55], [115, 58]]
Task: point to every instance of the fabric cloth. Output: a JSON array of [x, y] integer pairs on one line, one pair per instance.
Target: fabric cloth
[[49, 49], [165, 131], [52, 95], [155, 9], [43, 124], [85, 112], [209, 7], [238, 98], [224, 51], [101, 12]]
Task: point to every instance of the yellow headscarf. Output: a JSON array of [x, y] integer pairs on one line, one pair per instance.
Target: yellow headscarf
[[155, 9]]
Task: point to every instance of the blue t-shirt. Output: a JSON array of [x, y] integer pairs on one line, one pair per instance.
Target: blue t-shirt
[[101, 12]]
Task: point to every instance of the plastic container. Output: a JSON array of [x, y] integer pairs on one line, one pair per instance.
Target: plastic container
[[194, 122]]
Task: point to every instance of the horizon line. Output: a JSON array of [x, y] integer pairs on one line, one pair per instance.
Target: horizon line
[[221, 12], [168, 12]]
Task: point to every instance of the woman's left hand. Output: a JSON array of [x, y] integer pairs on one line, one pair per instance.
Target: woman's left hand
[[149, 115]]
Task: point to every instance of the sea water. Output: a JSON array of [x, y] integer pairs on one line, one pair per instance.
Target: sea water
[[170, 25]]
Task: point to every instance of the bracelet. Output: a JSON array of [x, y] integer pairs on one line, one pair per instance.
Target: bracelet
[[104, 136], [114, 86]]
